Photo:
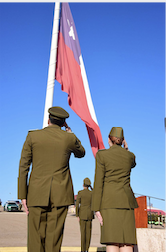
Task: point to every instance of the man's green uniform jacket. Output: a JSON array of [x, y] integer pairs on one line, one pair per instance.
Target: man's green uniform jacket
[[49, 151]]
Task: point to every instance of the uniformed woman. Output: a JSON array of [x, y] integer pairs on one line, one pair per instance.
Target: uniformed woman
[[84, 214], [113, 199]]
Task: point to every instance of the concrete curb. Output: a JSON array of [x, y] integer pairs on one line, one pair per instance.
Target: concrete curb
[[66, 249]]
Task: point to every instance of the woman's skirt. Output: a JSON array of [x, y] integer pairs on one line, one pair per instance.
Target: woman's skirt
[[118, 226]]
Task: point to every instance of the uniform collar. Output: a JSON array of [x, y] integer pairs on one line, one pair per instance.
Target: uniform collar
[[115, 146], [53, 126]]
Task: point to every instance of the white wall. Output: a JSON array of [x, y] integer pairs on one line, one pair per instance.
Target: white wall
[[151, 240]]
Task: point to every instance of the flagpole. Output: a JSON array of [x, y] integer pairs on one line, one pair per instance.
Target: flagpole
[[52, 64]]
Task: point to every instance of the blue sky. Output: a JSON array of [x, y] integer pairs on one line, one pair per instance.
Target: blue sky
[[123, 47]]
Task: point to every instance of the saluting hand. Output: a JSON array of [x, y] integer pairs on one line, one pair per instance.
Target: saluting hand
[[125, 144], [67, 128], [100, 218]]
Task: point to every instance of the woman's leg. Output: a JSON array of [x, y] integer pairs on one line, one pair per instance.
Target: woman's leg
[[126, 248], [83, 234], [112, 248], [88, 233]]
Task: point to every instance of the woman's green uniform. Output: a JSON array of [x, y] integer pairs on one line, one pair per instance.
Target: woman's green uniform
[[113, 196], [83, 211]]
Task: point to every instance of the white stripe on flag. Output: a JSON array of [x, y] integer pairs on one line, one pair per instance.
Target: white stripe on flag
[[87, 91]]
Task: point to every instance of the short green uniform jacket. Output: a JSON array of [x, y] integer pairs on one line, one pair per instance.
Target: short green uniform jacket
[[49, 151], [112, 179], [83, 205]]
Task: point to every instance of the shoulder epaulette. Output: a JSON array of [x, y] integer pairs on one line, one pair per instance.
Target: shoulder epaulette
[[101, 150], [32, 130]]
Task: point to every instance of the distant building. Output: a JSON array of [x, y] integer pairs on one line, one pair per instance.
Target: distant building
[[155, 210]]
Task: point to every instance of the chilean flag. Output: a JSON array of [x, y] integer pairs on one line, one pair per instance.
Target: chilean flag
[[70, 73]]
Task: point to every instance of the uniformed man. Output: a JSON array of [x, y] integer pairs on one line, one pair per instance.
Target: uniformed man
[[84, 214], [50, 190]]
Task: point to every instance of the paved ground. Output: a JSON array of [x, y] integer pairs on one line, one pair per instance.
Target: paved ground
[[13, 232]]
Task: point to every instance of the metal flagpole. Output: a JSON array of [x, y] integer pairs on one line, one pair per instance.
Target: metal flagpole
[[52, 64]]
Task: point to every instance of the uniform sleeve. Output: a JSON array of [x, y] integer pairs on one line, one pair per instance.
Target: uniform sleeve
[[98, 183], [78, 149], [78, 201], [133, 161], [25, 162]]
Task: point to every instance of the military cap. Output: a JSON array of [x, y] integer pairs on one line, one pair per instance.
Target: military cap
[[87, 182], [58, 113], [116, 132]]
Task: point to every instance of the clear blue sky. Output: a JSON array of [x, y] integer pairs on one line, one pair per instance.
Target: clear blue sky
[[123, 47]]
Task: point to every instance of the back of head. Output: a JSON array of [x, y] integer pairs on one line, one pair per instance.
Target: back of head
[[116, 135], [87, 183], [57, 115]]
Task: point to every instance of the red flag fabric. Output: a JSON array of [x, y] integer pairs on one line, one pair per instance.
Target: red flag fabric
[[70, 73]]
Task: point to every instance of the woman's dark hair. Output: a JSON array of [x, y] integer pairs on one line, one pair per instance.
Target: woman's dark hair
[[91, 187], [116, 140], [88, 186]]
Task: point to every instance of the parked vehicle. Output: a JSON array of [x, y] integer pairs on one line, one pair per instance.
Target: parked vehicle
[[19, 205], [11, 206]]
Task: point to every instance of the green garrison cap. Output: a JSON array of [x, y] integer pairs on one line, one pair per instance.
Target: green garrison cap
[[116, 132], [58, 113], [87, 182]]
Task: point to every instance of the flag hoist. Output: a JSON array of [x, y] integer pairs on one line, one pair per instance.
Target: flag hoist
[[67, 67]]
